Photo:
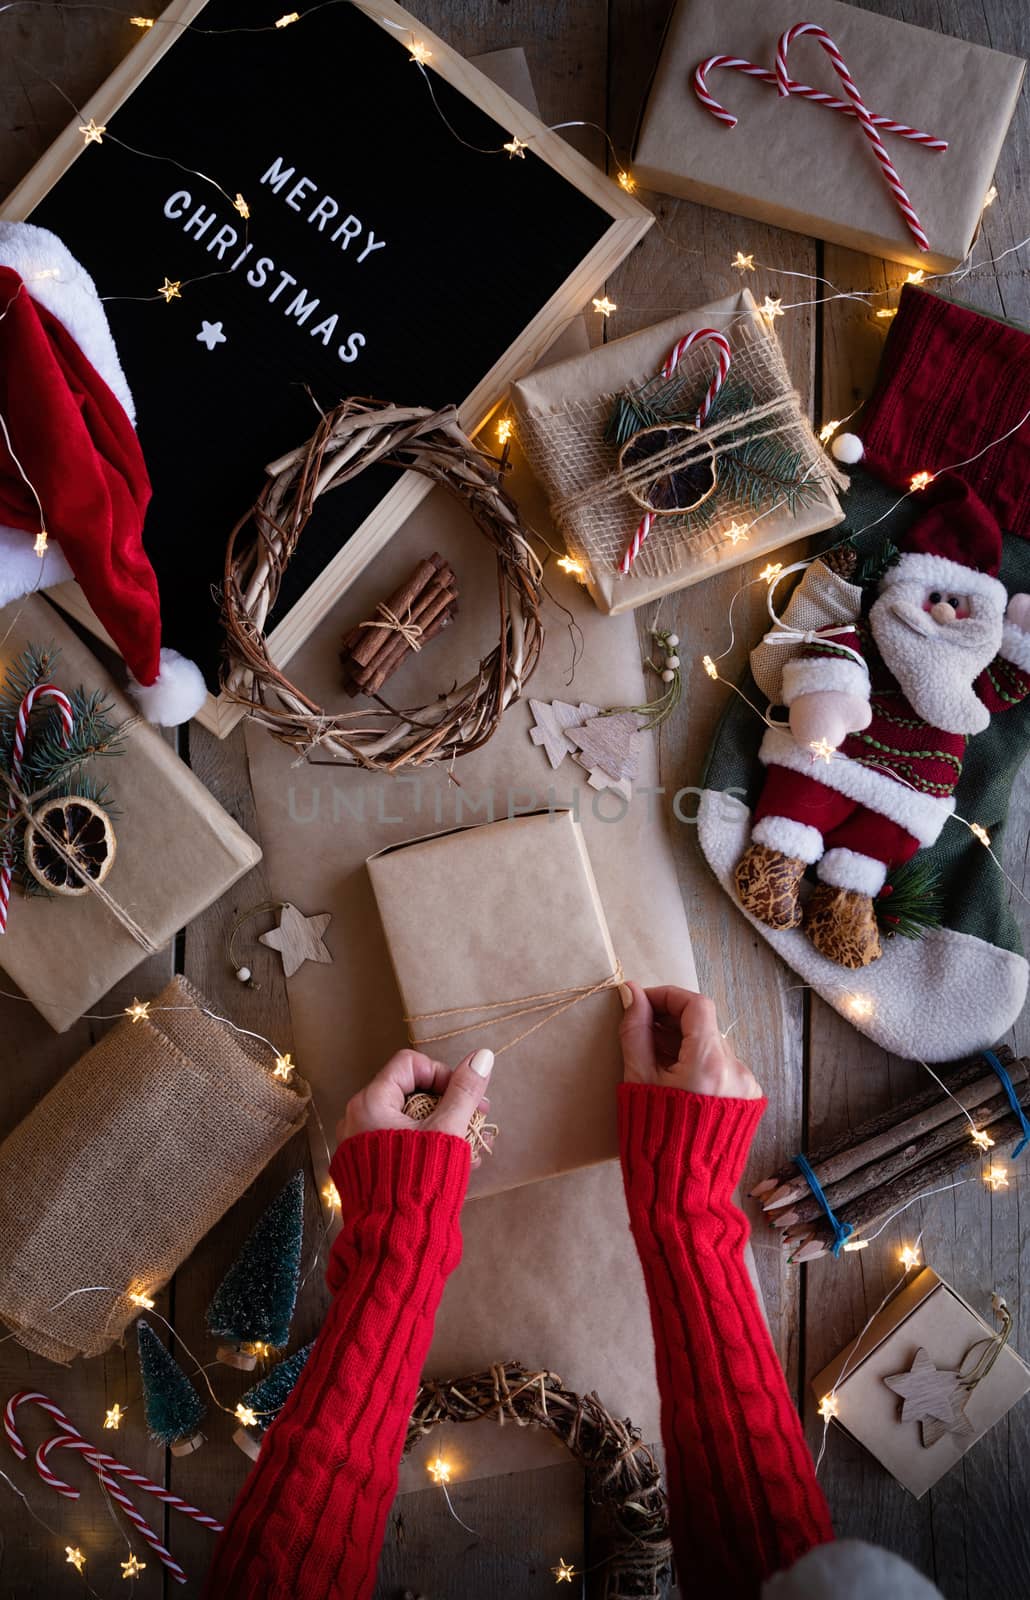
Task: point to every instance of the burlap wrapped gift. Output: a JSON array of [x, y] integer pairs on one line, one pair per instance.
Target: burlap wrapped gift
[[119, 1171]]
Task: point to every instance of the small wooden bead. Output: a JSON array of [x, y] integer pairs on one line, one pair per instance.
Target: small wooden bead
[[667, 676], [672, 661], [672, 640], [243, 973]]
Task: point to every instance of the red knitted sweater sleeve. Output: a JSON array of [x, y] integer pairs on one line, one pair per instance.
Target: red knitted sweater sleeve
[[308, 1523], [743, 1497]]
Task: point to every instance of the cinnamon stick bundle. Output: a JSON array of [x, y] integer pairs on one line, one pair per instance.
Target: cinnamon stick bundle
[[373, 650]]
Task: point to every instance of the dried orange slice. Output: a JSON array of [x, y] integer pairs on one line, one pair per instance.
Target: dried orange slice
[[85, 831]]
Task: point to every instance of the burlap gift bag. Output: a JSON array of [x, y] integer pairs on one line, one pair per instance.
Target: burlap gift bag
[[128, 1161]]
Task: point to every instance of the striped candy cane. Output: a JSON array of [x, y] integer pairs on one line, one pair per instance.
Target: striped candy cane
[[891, 178], [751, 69], [41, 691], [672, 361]]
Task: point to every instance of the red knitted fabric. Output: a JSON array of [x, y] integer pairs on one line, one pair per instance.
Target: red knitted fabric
[[309, 1522], [743, 1496], [952, 380]]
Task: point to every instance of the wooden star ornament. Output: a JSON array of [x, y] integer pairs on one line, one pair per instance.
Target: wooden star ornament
[[932, 1397], [298, 938]]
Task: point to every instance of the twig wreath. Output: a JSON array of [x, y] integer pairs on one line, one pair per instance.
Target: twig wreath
[[350, 438], [623, 1477]]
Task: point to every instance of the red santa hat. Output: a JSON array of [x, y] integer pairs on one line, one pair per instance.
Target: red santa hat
[[70, 463], [954, 546]]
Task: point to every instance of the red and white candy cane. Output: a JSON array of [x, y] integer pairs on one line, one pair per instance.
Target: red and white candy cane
[[672, 361], [41, 691], [891, 178], [751, 69]]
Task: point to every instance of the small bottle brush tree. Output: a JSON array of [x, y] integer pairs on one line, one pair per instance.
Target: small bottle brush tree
[[254, 1302], [267, 1398], [172, 1406]]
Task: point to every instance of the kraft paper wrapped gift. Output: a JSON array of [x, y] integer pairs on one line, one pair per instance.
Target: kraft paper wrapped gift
[[926, 1315], [177, 850], [497, 935], [796, 164], [563, 412]]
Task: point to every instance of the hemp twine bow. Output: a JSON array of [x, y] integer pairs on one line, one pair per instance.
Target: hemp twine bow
[[409, 631]]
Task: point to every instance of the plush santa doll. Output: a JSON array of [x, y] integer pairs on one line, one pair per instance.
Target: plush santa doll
[[73, 482], [881, 710]]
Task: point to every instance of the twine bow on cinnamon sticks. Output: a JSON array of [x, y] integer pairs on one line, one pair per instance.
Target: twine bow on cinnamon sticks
[[373, 650]]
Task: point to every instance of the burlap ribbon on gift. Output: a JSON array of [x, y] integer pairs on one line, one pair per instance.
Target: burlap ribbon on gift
[[118, 1173]]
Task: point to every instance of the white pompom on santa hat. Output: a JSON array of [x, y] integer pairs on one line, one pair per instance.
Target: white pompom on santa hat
[[71, 466]]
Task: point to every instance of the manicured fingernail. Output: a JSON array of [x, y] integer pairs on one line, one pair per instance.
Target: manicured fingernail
[[482, 1062], [625, 995]]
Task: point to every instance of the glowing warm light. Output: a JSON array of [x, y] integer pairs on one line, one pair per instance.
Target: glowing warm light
[[171, 290], [41, 543], [285, 1067], [505, 429], [829, 1407], [245, 1415], [916, 277], [516, 147], [627, 182], [886, 313], [771, 570], [737, 532], [74, 1557], [981, 1138], [742, 262], [420, 53], [139, 1011], [331, 1196], [93, 132], [142, 1300], [997, 1177], [133, 1567], [827, 431], [909, 1257], [990, 196], [856, 1244], [563, 1572], [142, 22], [771, 309], [439, 1470], [920, 480], [113, 1418], [575, 568], [290, 16], [822, 750], [860, 1005], [258, 1347], [240, 205], [709, 666], [604, 307], [46, 272], [978, 831]]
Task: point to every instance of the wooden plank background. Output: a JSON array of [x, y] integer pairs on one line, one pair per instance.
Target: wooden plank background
[[590, 60]]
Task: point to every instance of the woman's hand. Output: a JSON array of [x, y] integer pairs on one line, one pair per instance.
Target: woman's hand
[[381, 1103], [670, 1036]]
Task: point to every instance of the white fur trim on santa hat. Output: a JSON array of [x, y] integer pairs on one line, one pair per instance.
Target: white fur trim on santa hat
[[849, 869], [821, 673], [1015, 646], [22, 571], [950, 577], [848, 448], [176, 694], [849, 1570], [56, 280], [790, 838]]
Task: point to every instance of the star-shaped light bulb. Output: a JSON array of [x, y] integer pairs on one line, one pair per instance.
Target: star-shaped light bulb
[[420, 52], [516, 147], [93, 132], [860, 1005], [771, 570], [627, 182], [917, 276], [772, 308], [74, 1557], [41, 543], [285, 1067], [171, 289], [575, 568], [909, 1256], [709, 666], [829, 1407], [920, 480], [142, 1300], [742, 262], [331, 1195], [981, 1138], [505, 429], [822, 750], [827, 431], [113, 1418], [564, 1572], [142, 22], [439, 1470], [133, 1567], [604, 307], [978, 831], [240, 205], [887, 313], [139, 1011], [258, 1347], [245, 1415], [997, 1177], [737, 532]]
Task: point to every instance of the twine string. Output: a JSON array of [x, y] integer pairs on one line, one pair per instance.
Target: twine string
[[390, 622], [553, 1003]]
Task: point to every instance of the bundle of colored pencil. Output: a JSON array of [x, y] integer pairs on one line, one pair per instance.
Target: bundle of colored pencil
[[403, 624], [867, 1173]]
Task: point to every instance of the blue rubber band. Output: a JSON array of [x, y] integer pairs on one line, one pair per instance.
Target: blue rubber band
[[1013, 1100], [841, 1230]]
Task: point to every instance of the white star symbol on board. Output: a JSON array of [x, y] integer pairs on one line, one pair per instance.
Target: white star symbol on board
[[211, 334]]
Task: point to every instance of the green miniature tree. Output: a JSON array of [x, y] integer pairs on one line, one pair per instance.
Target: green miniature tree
[[266, 1399], [172, 1406], [254, 1302]]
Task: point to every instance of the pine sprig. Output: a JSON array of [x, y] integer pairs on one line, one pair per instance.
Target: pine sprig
[[911, 901], [872, 565]]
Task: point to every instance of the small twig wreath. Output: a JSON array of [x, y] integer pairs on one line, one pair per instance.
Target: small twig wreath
[[346, 441], [623, 1477]]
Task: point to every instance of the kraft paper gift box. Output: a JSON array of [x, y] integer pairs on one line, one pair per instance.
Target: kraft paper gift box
[[563, 412], [796, 164], [177, 851], [926, 1315], [497, 936]]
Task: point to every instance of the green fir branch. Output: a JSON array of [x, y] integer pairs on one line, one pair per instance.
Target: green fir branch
[[915, 902]]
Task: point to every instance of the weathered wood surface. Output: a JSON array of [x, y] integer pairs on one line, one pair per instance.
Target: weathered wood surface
[[590, 61]]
